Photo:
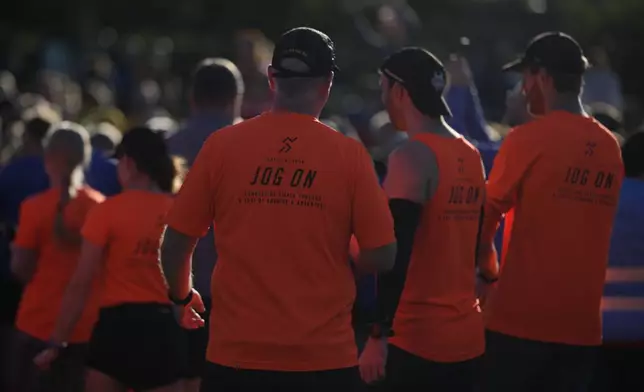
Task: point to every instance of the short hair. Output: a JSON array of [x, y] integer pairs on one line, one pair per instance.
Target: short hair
[[297, 87], [216, 82], [567, 82], [72, 140], [633, 155]]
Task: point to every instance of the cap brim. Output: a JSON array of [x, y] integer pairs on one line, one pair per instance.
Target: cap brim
[[515, 66], [447, 112]]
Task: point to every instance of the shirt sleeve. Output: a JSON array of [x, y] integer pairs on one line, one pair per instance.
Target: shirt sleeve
[[193, 210], [96, 228], [510, 167], [372, 223], [28, 226]]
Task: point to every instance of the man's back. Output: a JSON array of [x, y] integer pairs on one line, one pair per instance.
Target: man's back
[[438, 317], [568, 172], [284, 190]]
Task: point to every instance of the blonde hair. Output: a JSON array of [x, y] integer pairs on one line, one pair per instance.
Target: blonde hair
[[72, 140]]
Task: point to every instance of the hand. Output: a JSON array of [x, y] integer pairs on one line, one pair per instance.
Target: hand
[[188, 315], [46, 357], [373, 360], [483, 290]]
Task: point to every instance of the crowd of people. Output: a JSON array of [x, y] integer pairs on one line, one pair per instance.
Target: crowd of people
[[260, 246]]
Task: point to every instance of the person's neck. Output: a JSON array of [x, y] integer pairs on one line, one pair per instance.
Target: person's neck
[[143, 184], [570, 103], [423, 124], [297, 108]]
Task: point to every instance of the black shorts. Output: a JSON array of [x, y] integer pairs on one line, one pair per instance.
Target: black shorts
[[67, 372], [221, 378], [619, 368], [408, 372], [197, 343], [513, 364], [10, 294], [139, 345]]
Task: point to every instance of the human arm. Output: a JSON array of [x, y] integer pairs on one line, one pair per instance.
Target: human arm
[[24, 249], [188, 220], [371, 219], [511, 165], [410, 183]]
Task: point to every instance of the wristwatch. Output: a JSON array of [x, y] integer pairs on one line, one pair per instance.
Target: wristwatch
[[486, 279], [182, 302], [57, 345], [379, 331]]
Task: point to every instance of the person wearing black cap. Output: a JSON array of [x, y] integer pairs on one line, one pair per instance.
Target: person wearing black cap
[[429, 319], [557, 179], [285, 193]]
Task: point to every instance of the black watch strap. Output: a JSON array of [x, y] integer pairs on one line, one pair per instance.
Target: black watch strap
[[380, 330], [57, 345], [182, 302]]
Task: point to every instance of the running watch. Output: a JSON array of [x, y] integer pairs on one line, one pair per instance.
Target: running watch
[[485, 279], [379, 331], [182, 302], [57, 345]]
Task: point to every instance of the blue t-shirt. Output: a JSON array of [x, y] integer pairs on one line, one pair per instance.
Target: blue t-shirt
[[19, 179], [102, 175]]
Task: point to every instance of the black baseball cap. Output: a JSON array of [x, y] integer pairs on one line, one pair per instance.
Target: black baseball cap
[[422, 75], [314, 50], [141, 144], [554, 51]]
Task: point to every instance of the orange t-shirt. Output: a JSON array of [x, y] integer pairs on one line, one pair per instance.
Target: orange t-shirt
[[129, 227], [562, 175], [42, 297], [286, 193], [438, 316]]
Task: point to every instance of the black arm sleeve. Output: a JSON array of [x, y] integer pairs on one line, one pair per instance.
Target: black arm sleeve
[[478, 236], [406, 216]]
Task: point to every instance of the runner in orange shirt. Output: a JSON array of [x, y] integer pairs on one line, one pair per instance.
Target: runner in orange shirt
[[436, 184], [44, 256], [561, 174], [286, 193], [136, 343]]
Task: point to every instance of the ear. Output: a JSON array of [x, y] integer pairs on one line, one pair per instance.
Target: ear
[[325, 88], [400, 93], [270, 72]]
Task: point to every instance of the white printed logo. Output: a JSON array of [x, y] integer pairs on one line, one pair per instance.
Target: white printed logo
[[438, 81]]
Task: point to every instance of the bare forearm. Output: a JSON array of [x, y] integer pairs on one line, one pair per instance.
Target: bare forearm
[[176, 262], [71, 309]]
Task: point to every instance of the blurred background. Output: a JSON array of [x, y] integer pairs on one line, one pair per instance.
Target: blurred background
[[126, 62]]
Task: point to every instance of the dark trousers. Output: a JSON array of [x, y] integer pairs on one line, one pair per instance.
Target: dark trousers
[[67, 372], [408, 372], [620, 367], [513, 364], [197, 343], [221, 378]]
